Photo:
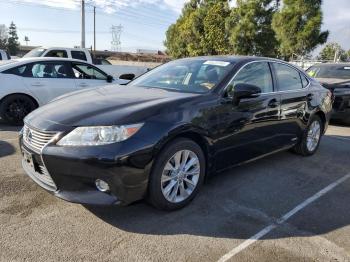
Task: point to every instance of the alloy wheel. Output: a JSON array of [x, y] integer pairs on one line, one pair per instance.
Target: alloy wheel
[[313, 136], [180, 176]]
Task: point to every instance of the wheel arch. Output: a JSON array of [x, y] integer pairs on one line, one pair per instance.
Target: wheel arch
[[22, 94], [323, 117], [195, 135]]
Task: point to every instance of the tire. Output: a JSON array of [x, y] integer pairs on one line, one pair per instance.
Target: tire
[[14, 108], [176, 182], [302, 148]]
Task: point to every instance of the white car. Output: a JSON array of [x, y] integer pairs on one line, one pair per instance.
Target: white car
[[32, 82]]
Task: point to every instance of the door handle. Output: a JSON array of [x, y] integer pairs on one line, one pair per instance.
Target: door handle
[[83, 85], [37, 84], [274, 103]]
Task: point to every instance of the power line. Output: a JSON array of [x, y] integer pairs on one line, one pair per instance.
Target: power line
[[123, 14]]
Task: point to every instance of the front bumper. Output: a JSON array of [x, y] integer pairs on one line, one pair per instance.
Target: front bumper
[[125, 167]]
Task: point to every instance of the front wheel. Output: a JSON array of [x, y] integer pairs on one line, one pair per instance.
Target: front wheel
[[177, 175], [14, 108], [311, 138]]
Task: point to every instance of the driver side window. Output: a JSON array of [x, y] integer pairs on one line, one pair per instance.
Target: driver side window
[[85, 71], [258, 74]]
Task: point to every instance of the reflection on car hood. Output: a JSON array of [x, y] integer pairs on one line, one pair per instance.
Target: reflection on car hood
[[109, 105]]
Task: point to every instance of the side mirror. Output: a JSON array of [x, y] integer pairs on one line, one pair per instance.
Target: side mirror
[[110, 79], [127, 77], [240, 91]]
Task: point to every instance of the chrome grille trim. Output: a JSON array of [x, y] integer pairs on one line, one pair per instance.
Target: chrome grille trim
[[35, 139]]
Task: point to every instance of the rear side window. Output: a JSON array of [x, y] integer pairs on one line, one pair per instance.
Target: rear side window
[[57, 53], [304, 80], [19, 71], [8, 56], [80, 55], [288, 78]]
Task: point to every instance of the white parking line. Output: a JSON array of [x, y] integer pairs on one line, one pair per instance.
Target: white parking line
[[283, 219]]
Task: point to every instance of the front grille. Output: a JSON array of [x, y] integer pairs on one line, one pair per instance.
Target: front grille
[[35, 139]]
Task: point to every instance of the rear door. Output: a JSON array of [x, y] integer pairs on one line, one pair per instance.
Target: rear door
[[48, 80], [249, 129], [294, 100], [87, 76]]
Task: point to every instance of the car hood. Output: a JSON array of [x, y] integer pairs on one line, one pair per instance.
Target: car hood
[[108, 105]]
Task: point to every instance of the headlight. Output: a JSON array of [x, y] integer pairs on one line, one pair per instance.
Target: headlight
[[99, 135]]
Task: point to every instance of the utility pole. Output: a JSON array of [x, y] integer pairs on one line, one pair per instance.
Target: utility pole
[[82, 23], [94, 30]]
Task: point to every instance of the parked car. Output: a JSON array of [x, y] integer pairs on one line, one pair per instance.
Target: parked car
[[61, 52], [29, 83], [163, 133], [84, 54], [4, 55], [335, 77]]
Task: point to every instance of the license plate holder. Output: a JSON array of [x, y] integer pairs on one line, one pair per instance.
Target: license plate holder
[[28, 158]]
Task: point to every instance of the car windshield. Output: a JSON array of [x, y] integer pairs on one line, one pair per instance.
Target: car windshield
[[37, 52], [187, 75], [330, 71]]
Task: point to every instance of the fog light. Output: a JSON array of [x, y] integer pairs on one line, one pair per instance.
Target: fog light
[[102, 185]]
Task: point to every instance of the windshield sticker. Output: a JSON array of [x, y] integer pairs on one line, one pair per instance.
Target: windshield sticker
[[217, 63]]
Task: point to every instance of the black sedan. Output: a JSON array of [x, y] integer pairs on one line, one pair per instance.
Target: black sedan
[[335, 77], [161, 135]]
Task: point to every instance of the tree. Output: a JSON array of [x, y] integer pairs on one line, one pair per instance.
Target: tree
[[12, 42], [298, 27], [331, 50], [3, 37], [200, 30], [249, 26], [215, 40]]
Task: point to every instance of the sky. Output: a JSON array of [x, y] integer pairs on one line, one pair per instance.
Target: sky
[[144, 22]]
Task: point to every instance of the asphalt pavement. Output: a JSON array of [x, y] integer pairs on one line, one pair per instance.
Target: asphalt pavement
[[281, 208]]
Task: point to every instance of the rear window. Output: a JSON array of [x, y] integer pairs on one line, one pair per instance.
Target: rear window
[[334, 71], [80, 55]]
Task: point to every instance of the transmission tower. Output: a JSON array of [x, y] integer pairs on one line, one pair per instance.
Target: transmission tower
[[116, 33]]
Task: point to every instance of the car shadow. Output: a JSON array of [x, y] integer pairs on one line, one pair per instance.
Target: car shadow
[[6, 149], [4, 126], [240, 202]]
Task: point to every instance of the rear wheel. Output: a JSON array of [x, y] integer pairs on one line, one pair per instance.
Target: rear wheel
[[311, 138], [177, 175], [14, 108]]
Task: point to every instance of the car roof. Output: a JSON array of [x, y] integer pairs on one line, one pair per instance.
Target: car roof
[[22, 61], [233, 58], [64, 48]]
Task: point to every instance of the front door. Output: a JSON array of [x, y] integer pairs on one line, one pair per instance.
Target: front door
[[249, 129], [87, 76]]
